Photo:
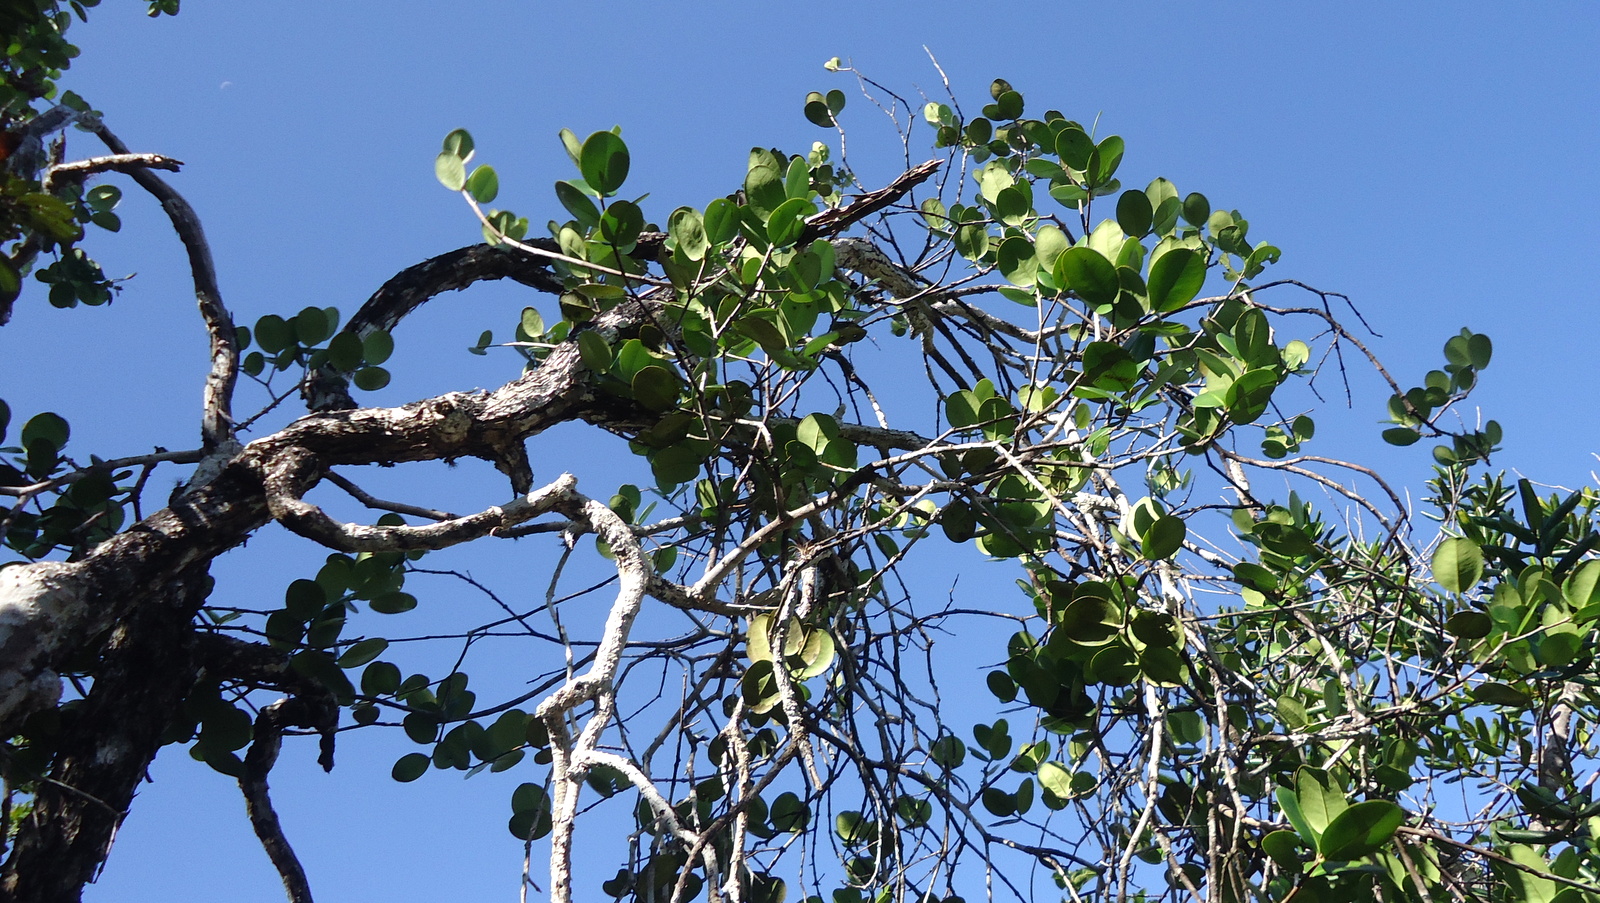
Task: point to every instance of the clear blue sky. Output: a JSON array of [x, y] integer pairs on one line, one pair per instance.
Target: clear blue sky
[[1436, 162]]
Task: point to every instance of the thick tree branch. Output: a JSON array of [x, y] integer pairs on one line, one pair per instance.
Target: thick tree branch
[[106, 744], [47, 608]]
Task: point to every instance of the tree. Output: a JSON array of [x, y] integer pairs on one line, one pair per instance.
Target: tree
[[1214, 688]]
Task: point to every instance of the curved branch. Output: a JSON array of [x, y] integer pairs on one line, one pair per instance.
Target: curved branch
[[216, 425], [320, 714]]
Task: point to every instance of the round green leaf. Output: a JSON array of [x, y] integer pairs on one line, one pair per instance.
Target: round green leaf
[[817, 111], [621, 224], [345, 351], [1469, 625], [1457, 564], [656, 388], [1480, 349], [604, 162], [483, 184], [1361, 829], [688, 232], [788, 222], [1284, 848], [49, 427], [1057, 779], [1175, 278], [451, 172], [410, 767], [1134, 213], [458, 144], [594, 351], [273, 333], [394, 603], [1074, 146], [376, 347], [1016, 261], [1401, 436], [1115, 665], [311, 326], [1164, 538], [578, 204], [1088, 273], [1196, 209], [371, 379], [722, 221]]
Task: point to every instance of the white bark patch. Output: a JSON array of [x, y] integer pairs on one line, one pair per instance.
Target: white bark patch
[[39, 603]]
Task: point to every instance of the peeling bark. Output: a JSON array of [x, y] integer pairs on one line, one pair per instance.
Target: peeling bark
[[105, 745]]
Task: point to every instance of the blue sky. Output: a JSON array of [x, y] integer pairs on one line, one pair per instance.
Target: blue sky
[[1435, 162]]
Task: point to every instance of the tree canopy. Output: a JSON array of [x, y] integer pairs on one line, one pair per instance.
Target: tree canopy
[[1231, 668]]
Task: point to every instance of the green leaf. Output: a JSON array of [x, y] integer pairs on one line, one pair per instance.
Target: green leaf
[[273, 333], [371, 379], [1480, 349], [312, 326], [656, 388], [1401, 436], [10, 281], [603, 160], [1321, 799], [1016, 261], [1175, 278], [688, 232], [578, 204], [722, 221], [376, 347], [1056, 778], [410, 767], [451, 172], [393, 603], [459, 144], [49, 428], [1106, 158], [1469, 625], [1457, 564], [363, 652], [788, 221], [1495, 693], [1361, 829], [1074, 146], [1284, 848], [1291, 810], [483, 184], [344, 352], [817, 111], [1164, 538], [594, 351], [1134, 213], [972, 241], [1088, 273]]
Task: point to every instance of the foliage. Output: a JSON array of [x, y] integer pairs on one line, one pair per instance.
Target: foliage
[[1214, 687]]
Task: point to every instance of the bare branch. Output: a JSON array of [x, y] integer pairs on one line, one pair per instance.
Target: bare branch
[[322, 715], [216, 426], [123, 163]]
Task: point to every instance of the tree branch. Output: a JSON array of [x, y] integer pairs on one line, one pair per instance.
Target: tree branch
[[216, 426], [320, 713], [121, 162]]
